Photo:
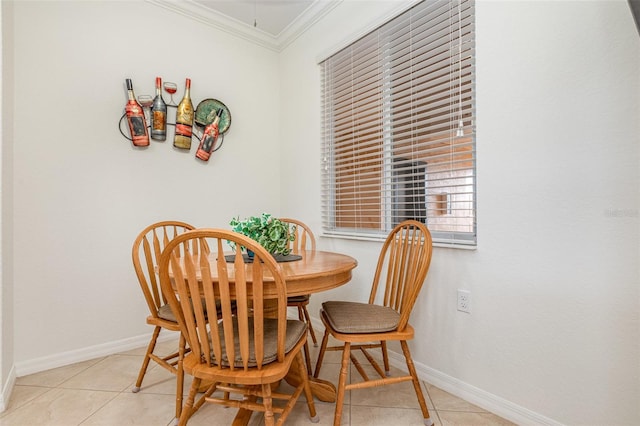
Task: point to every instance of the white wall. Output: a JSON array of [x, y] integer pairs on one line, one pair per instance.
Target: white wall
[[82, 192], [7, 372], [554, 333]]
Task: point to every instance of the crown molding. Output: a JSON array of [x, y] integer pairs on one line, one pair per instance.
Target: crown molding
[[199, 13], [212, 18], [316, 11]]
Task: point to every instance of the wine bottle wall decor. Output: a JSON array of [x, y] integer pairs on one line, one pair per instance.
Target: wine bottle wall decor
[[147, 120], [158, 114], [135, 118], [209, 137], [184, 119]]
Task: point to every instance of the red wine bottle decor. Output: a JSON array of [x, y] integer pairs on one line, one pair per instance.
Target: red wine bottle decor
[[209, 138], [135, 118]]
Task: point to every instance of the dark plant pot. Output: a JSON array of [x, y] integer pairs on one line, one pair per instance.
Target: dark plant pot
[[250, 254]]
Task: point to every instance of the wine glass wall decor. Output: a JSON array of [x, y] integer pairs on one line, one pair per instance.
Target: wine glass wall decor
[[146, 101], [210, 120], [171, 88]]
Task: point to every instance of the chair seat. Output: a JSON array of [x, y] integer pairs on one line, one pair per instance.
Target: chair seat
[[166, 313], [296, 331], [298, 299], [356, 318]]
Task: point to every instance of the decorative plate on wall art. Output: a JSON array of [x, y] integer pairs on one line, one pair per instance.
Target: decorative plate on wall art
[[203, 115]]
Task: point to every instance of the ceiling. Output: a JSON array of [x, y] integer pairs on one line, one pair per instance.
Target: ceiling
[[277, 22], [272, 16]]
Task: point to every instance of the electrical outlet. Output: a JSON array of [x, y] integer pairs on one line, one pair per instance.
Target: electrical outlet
[[464, 301]]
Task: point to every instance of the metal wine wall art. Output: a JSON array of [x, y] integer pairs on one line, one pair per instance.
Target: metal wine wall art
[[146, 117]]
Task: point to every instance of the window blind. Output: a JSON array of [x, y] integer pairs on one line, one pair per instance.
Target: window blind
[[398, 127]]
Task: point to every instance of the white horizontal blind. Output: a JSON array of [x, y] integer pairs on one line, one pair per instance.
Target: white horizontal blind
[[398, 121]]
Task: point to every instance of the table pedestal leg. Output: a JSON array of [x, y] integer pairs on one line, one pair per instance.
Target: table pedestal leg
[[243, 416], [322, 389]]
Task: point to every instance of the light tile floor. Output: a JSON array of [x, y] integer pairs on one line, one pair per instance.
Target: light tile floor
[[98, 392]]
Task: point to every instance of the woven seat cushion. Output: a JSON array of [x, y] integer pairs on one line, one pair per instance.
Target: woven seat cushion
[[298, 299], [296, 330], [166, 313], [356, 318]]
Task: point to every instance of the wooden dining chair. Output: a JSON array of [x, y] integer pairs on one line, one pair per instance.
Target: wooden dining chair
[[401, 270], [304, 241], [146, 251], [243, 353]]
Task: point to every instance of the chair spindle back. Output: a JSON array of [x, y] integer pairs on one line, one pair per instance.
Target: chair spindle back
[[219, 303], [402, 268]]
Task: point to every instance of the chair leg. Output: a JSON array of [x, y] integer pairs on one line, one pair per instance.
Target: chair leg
[[323, 347], [385, 358], [307, 357], [307, 354], [416, 383], [307, 391], [187, 410], [267, 403], [180, 376], [147, 358], [342, 382], [308, 321]]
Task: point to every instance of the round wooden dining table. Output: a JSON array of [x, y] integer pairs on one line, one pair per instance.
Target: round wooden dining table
[[317, 271], [307, 272], [311, 272]]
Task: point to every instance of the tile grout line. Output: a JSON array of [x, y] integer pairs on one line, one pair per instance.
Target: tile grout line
[[100, 408], [433, 404]]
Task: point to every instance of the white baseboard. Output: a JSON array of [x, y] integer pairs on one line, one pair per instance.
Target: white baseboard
[[48, 362], [5, 397], [488, 401], [481, 398]]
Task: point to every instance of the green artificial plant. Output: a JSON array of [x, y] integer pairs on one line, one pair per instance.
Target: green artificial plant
[[270, 232]]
